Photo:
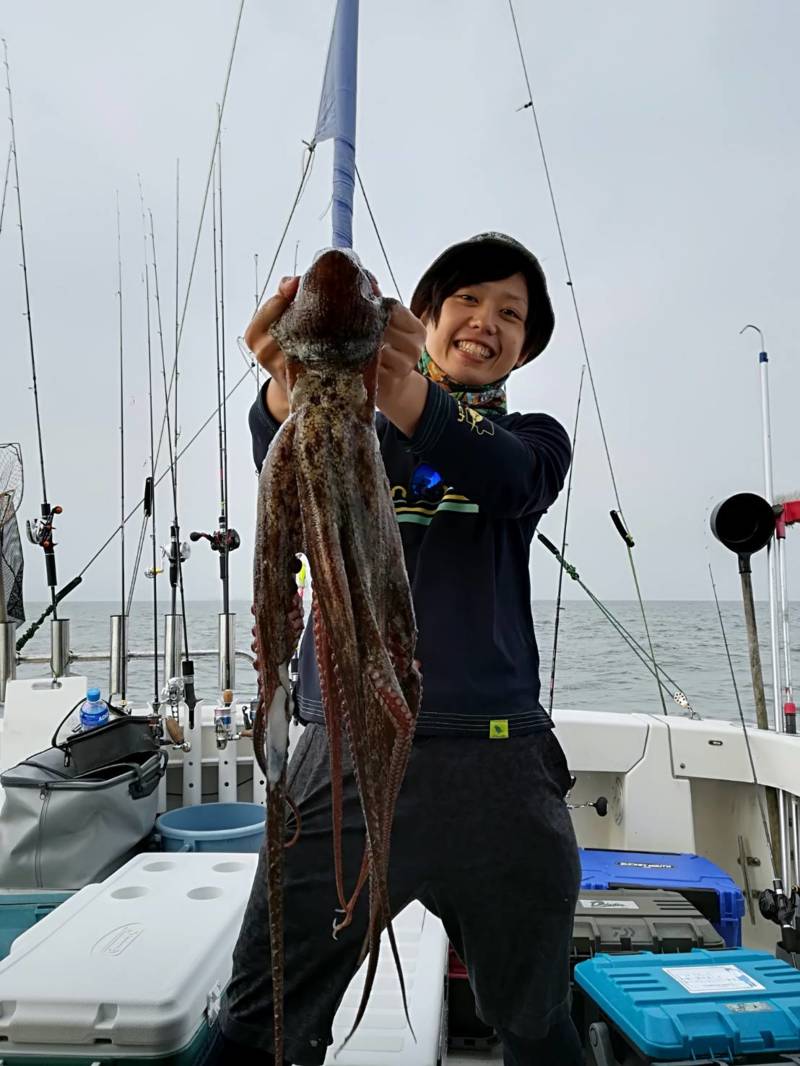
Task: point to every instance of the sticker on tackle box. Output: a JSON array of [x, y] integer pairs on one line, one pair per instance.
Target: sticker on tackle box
[[698, 980], [609, 904], [756, 1007]]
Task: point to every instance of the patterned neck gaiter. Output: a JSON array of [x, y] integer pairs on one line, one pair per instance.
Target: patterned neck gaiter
[[485, 399]]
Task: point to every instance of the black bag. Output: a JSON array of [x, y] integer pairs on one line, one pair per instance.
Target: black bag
[[121, 739]]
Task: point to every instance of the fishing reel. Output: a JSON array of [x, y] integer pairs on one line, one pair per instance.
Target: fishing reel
[[172, 696], [223, 721], [220, 540], [185, 551], [784, 910], [40, 530]]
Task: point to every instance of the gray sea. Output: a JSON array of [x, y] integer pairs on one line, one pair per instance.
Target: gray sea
[[595, 668]]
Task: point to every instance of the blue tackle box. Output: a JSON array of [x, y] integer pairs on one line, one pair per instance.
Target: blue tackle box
[[699, 1006], [20, 910], [709, 888]]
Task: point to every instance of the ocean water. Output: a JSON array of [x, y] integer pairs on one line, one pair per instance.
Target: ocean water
[[595, 669]]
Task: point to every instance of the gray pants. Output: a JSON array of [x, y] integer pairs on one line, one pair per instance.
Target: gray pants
[[482, 837]]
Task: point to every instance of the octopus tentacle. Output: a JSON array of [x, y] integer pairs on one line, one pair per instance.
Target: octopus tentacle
[[278, 539]]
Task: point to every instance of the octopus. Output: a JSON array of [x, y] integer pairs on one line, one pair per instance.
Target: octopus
[[323, 492]]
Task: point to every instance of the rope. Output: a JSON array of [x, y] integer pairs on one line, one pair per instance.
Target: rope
[[628, 540], [378, 235], [300, 191]]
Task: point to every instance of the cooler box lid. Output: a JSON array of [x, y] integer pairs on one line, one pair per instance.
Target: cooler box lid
[[682, 871], [698, 1004], [129, 966]]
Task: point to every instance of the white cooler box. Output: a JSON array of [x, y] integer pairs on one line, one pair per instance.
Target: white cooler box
[[383, 1038], [132, 970], [129, 970]]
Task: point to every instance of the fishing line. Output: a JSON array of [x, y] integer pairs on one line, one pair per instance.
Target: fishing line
[[378, 235], [300, 190], [618, 517], [745, 731], [563, 549], [5, 188], [210, 173], [179, 455], [641, 653], [158, 481], [179, 330]]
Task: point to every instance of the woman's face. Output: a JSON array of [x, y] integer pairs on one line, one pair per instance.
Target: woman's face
[[481, 329]]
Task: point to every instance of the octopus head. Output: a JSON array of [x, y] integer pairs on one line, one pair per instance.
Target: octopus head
[[336, 319]]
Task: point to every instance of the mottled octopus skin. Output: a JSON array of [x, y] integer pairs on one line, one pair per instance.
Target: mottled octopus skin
[[323, 491]]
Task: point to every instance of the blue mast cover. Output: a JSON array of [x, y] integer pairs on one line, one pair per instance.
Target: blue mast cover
[[337, 116]]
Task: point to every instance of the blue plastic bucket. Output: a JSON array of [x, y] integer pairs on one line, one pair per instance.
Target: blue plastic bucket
[[212, 827]]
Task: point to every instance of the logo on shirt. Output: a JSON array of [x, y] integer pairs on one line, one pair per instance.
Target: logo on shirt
[[498, 729], [476, 422], [422, 512]]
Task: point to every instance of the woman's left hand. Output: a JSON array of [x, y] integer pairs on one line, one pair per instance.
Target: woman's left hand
[[401, 390]]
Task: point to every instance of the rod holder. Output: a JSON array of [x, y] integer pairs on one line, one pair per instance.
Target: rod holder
[[172, 646], [8, 656], [227, 652], [118, 665], [60, 654]]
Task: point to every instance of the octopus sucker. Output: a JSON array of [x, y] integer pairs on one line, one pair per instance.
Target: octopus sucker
[[323, 492]]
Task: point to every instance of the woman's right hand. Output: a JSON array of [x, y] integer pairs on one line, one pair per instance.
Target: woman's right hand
[[265, 348]]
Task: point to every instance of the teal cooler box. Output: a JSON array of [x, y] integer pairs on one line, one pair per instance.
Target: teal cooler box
[[129, 971], [698, 1007], [716, 895], [20, 910]]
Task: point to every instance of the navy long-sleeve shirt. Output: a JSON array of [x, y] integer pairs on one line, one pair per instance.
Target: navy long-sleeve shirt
[[467, 556]]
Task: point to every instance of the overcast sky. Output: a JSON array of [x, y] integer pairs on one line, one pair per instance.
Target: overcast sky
[[672, 139]]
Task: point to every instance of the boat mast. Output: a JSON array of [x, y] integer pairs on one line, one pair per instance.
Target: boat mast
[[336, 118]]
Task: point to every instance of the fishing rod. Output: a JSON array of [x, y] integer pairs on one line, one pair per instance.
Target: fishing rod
[[199, 233], [224, 539], [557, 620], [119, 635], [176, 552], [149, 497], [617, 515], [39, 530], [641, 653], [258, 366], [73, 584]]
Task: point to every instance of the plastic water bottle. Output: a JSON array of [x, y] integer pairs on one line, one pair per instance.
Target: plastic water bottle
[[94, 711]]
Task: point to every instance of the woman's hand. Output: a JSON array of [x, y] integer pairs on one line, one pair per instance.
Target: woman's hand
[[265, 348], [401, 390]]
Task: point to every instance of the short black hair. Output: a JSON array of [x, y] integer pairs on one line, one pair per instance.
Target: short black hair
[[483, 259]]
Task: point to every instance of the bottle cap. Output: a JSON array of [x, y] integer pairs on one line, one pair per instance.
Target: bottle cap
[[93, 695]]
